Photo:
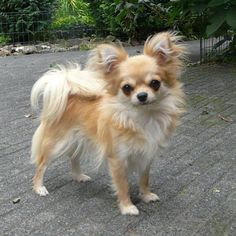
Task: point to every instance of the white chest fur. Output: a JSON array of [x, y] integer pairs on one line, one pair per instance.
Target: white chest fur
[[138, 151]]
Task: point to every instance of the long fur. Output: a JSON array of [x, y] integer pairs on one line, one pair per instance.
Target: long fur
[[57, 84], [90, 113]]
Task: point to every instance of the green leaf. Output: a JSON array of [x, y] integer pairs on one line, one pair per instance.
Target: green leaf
[[217, 20], [231, 17], [199, 8], [214, 3], [129, 5]]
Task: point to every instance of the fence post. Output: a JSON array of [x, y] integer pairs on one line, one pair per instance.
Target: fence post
[[201, 59]]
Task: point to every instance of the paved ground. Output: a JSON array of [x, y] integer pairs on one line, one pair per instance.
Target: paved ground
[[195, 177]]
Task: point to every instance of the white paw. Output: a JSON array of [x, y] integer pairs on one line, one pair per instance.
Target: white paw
[[42, 191], [150, 197], [129, 210], [81, 178]]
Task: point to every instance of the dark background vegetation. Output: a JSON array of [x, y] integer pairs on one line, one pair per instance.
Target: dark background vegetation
[[125, 19]]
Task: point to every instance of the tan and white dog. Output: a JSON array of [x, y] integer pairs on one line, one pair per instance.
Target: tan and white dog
[[119, 108]]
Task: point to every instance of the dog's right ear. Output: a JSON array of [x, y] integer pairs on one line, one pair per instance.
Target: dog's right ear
[[164, 47], [108, 57]]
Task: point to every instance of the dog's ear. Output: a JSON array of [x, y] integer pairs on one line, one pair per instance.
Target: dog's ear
[[164, 47], [108, 57]]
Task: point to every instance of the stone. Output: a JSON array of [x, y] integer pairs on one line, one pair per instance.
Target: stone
[[26, 49], [73, 48], [45, 46], [29, 49], [59, 49], [18, 49], [4, 52]]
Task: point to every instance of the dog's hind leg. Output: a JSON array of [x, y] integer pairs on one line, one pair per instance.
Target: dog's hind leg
[[44, 155], [42, 148], [39, 188], [76, 171]]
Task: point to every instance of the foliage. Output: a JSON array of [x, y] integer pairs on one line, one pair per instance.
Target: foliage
[[71, 12], [131, 19], [138, 18], [25, 17], [4, 40], [217, 16]]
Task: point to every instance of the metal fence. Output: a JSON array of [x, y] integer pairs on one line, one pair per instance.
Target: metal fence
[[211, 48], [20, 28], [16, 28]]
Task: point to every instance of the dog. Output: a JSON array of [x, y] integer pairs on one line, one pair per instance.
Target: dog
[[120, 109]]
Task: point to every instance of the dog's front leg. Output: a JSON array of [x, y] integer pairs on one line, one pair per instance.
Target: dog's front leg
[[146, 194], [120, 183]]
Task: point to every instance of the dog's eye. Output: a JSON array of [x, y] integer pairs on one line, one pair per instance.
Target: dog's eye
[[127, 89], [155, 84]]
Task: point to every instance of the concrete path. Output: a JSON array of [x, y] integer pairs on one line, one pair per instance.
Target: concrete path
[[195, 177]]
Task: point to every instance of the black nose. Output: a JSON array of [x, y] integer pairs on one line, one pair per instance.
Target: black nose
[[142, 97]]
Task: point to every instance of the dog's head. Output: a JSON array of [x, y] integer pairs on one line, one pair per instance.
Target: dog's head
[[139, 80]]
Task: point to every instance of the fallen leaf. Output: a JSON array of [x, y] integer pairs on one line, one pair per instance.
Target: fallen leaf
[[216, 190], [28, 115], [205, 112], [224, 118], [16, 200]]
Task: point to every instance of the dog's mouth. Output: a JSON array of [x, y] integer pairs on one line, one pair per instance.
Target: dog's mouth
[[146, 103]]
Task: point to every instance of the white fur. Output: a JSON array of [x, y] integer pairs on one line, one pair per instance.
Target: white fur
[[162, 46], [109, 57], [150, 197], [42, 191], [36, 142], [129, 210], [77, 145], [56, 85]]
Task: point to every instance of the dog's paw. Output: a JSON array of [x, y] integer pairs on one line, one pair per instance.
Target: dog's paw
[[81, 178], [150, 197], [41, 191], [129, 210]]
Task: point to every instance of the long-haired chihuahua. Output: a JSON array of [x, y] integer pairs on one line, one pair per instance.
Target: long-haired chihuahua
[[120, 109]]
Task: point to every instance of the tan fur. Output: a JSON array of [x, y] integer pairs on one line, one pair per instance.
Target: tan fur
[[116, 123]]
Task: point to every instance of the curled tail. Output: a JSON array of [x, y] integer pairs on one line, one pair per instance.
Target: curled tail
[[56, 85]]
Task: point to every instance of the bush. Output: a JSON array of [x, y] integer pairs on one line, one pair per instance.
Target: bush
[[4, 40], [214, 17], [22, 18], [131, 19], [71, 12]]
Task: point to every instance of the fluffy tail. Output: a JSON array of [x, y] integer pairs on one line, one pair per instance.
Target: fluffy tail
[[56, 85]]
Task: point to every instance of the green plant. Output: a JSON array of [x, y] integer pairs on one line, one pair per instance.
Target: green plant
[[131, 19], [21, 19], [71, 12], [217, 16], [4, 39]]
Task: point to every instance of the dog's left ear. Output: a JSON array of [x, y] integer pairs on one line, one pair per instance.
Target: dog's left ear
[[164, 47]]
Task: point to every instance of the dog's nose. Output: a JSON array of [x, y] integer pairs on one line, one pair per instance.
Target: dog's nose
[[142, 97]]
